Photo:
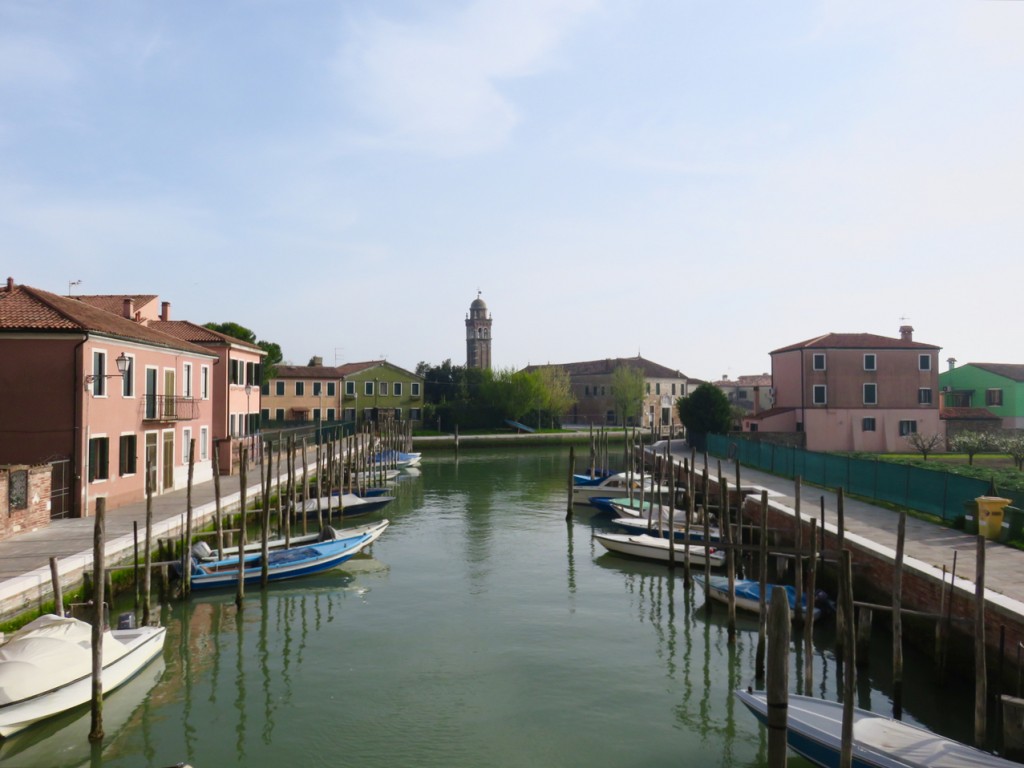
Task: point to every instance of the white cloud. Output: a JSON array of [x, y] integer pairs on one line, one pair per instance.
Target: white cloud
[[436, 85]]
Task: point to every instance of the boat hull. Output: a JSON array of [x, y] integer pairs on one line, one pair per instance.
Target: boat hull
[[653, 548], [19, 715]]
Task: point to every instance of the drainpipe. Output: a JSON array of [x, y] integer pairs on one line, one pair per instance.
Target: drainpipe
[[80, 482]]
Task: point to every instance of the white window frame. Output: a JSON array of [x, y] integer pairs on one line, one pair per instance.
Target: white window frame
[[204, 443], [330, 414], [186, 380], [907, 427], [383, 389], [415, 389], [128, 379], [873, 387], [350, 388], [279, 388], [874, 361], [300, 389], [924, 362], [817, 357], [123, 435], [204, 382], [91, 468], [186, 439], [99, 372], [823, 389], [924, 396], [396, 389], [368, 388]]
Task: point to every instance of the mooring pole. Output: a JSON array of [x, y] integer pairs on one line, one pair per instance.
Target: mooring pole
[[849, 687], [809, 619], [99, 584], [147, 570], [240, 591], [897, 619], [58, 594], [980, 669], [777, 690], [763, 586]]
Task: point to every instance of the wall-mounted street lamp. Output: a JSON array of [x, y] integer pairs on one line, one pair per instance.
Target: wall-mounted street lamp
[[121, 361]]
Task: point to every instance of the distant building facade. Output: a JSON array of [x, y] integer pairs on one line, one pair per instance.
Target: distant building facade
[[996, 387], [478, 335]]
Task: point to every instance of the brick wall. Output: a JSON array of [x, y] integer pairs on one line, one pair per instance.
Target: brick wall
[[24, 499]]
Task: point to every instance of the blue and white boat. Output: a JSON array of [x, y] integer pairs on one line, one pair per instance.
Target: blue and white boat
[[282, 564], [399, 459], [615, 485], [814, 730], [660, 550], [637, 525], [748, 594]]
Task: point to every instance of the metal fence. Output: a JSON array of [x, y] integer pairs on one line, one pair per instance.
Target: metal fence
[[932, 491]]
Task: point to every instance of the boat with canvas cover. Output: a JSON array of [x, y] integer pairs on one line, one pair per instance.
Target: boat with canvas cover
[[654, 548]]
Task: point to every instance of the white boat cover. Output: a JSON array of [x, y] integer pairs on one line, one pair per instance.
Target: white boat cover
[[914, 746], [47, 653]]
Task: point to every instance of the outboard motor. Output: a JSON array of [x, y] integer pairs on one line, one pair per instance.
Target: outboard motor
[[201, 551], [126, 621], [328, 533]]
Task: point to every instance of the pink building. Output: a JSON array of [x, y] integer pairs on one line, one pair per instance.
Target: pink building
[[66, 401], [853, 392]]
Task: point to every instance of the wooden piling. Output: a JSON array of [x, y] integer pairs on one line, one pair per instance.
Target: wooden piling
[[265, 481], [98, 555], [572, 471], [849, 687], [809, 624], [980, 668], [897, 619], [863, 634], [240, 591], [58, 593], [763, 577], [217, 517], [777, 683], [725, 533], [798, 563], [147, 552], [186, 556], [842, 618]]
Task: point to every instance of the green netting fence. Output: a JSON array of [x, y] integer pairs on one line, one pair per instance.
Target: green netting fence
[[932, 491]]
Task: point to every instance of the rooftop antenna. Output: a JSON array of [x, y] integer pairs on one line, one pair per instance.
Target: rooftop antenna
[[337, 353], [71, 284]]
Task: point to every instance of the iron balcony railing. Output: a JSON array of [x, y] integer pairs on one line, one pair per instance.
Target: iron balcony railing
[[170, 408]]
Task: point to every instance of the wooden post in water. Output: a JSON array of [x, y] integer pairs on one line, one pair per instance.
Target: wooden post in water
[[218, 520], [690, 509], [862, 629], [842, 617], [707, 535], [58, 593], [572, 471], [319, 471], [135, 566], [147, 571], [849, 687], [99, 583], [980, 668], [777, 689], [897, 619], [725, 533], [809, 623], [305, 486], [240, 591], [763, 577], [667, 467], [798, 562], [186, 556], [593, 453], [265, 481]]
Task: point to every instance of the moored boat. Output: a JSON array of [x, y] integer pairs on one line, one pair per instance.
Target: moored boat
[[202, 552], [615, 485], [637, 525], [748, 594], [46, 666], [654, 548], [814, 730]]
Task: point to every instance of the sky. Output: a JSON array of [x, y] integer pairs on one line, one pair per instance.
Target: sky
[[696, 181]]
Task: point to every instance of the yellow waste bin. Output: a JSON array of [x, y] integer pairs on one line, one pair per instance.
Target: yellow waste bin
[[990, 515]]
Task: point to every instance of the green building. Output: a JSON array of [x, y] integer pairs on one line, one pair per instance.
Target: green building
[[998, 387]]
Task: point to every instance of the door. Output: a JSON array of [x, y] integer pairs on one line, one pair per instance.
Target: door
[[151, 374], [168, 400], [151, 465], [168, 459]]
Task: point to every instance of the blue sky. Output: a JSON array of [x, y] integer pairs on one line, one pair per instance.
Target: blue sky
[[699, 181]]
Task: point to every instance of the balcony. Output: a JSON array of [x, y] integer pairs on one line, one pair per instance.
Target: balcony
[[169, 408]]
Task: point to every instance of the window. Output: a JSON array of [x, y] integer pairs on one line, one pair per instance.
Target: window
[[993, 397], [186, 379], [657, 388], [126, 455], [318, 389], [204, 382], [204, 443], [907, 427], [279, 388], [99, 370], [250, 373], [398, 414], [316, 414], [300, 388], [383, 388], [818, 361], [265, 389], [586, 390], [753, 426], [237, 372], [350, 388], [924, 362], [610, 417], [151, 374], [330, 414], [265, 414], [870, 362], [870, 394], [279, 414], [396, 389], [331, 389], [673, 389], [186, 445], [648, 386], [924, 396], [99, 458], [415, 389], [415, 414], [128, 380], [232, 427], [867, 425], [819, 394], [368, 388], [350, 414]]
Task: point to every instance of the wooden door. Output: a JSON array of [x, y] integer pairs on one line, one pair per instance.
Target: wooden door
[[168, 399], [168, 460], [151, 461]]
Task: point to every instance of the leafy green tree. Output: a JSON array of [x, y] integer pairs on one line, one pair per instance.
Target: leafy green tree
[[1014, 445], [628, 392], [557, 393], [273, 358], [924, 444], [705, 411]]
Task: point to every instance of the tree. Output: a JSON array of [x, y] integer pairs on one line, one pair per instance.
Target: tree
[[268, 369], [1014, 445], [628, 392], [971, 443], [924, 444], [557, 393], [705, 411]]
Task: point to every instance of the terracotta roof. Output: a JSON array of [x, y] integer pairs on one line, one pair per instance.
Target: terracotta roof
[[323, 371], [768, 413], [967, 414], [1007, 370], [855, 341], [650, 369], [198, 334], [115, 302], [26, 309]]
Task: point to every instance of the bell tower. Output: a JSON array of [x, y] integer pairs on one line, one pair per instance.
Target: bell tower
[[478, 335]]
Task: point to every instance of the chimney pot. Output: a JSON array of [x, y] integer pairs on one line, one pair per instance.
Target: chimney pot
[[10, 284], [128, 308], [165, 311], [952, 363], [906, 333]]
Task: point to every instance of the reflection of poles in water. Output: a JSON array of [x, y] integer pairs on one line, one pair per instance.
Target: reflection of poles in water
[[570, 558], [240, 687], [268, 715], [185, 611]]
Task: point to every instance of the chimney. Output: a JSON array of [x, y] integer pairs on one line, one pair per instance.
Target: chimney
[[128, 308], [165, 310], [906, 333], [317, 360], [952, 362], [10, 285]]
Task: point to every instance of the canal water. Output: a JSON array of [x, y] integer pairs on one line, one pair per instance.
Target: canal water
[[483, 630]]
